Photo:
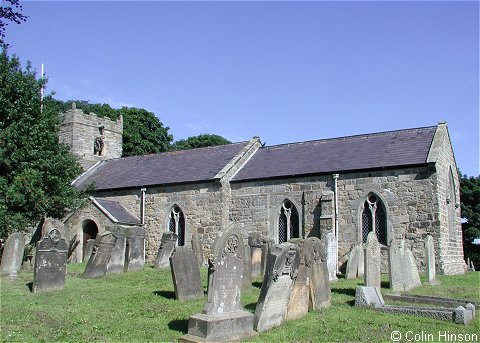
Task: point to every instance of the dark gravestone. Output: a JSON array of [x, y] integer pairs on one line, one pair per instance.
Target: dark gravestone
[[88, 249], [186, 274], [50, 263], [135, 254], [198, 249], [316, 259], [12, 255], [102, 250], [167, 245], [281, 271], [300, 297], [116, 264], [223, 318]]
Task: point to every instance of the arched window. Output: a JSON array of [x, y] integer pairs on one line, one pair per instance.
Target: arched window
[[374, 218], [288, 222], [451, 205], [176, 224]]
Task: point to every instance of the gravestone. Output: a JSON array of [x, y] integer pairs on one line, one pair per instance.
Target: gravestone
[[372, 261], [88, 249], [410, 271], [247, 271], [281, 271], [135, 249], [267, 243], [430, 261], [198, 249], [255, 243], [300, 296], [102, 250], [366, 296], [74, 242], [53, 223], [12, 255], [395, 267], [315, 258], [167, 245], [50, 263], [223, 317], [116, 264], [352, 263], [361, 261], [332, 255], [186, 274]]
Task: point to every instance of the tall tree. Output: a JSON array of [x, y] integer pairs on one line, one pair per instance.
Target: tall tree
[[199, 141], [470, 205], [35, 170], [143, 132], [9, 11]]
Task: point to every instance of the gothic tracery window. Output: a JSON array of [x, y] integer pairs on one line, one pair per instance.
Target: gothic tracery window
[[288, 222], [374, 218], [176, 224]]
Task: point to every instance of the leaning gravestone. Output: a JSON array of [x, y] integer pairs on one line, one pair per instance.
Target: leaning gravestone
[[280, 274], [198, 249], [102, 250], [332, 255], [410, 271], [352, 263], [12, 255], [300, 297], [430, 261], [116, 264], [135, 251], [395, 267], [88, 249], [186, 274], [366, 296], [50, 263], [372, 261], [320, 290], [223, 317], [167, 245]]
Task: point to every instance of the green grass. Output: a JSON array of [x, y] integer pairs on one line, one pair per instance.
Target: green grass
[[140, 306]]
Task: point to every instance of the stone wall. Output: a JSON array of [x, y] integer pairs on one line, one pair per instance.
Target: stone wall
[[79, 131]]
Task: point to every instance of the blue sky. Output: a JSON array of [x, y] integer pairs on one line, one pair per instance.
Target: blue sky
[[285, 71]]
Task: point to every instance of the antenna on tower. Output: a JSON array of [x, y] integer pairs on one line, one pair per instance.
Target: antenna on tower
[[41, 93]]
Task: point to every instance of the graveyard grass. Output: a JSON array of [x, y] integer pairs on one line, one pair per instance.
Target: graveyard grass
[[140, 306]]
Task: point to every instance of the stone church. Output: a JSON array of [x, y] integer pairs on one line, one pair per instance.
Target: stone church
[[401, 184]]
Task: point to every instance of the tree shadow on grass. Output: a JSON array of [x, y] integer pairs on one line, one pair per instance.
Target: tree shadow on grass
[[347, 291], [30, 286], [180, 325], [165, 294], [257, 284], [251, 307]]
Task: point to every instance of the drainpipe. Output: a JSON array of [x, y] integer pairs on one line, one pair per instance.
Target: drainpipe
[[143, 190], [335, 193]]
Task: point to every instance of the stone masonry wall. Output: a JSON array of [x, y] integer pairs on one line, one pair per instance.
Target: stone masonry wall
[[79, 130]]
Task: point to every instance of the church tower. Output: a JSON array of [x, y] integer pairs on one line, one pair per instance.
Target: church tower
[[91, 138]]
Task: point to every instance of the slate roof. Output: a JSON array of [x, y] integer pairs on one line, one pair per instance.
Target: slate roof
[[185, 166], [116, 211], [337, 155]]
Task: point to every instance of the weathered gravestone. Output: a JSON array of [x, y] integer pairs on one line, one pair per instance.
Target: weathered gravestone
[[395, 267], [281, 271], [50, 263], [247, 271], [198, 249], [332, 255], [102, 250], [116, 264], [167, 245], [361, 261], [267, 243], [430, 261], [53, 223], [223, 317], [88, 249], [315, 258], [255, 243], [372, 261], [12, 255], [186, 274], [135, 249], [367, 296], [352, 263], [410, 270], [300, 296]]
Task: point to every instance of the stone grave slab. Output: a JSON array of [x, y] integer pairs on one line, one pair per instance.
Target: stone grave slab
[[72, 245], [372, 261], [102, 250], [135, 249], [361, 261], [12, 255], [198, 249], [167, 245], [255, 243], [223, 317], [247, 271], [50, 263], [395, 267], [332, 255], [320, 289], [281, 271], [367, 296], [88, 249], [186, 274], [430, 261], [352, 263], [116, 264], [300, 296], [410, 271]]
